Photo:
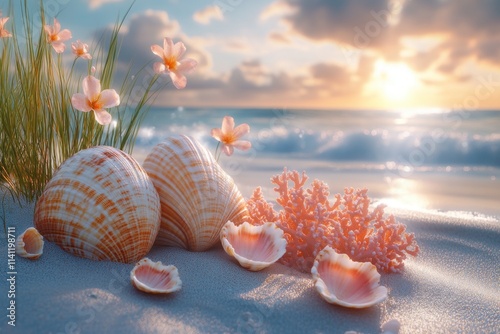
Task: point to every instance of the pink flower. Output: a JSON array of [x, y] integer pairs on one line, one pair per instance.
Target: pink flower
[[229, 136], [172, 64], [93, 99], [311, 221], [56, 37], [80, 50], [4, 32]]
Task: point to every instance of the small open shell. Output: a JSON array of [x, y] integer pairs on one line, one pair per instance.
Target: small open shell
[[30, 244], [339, 280], [154, 277], [255, 247]]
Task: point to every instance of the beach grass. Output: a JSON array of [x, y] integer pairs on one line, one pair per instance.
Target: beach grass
[[39, 127]]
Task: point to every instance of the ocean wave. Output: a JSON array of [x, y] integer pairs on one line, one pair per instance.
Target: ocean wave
[[407, 148], [383, 146]]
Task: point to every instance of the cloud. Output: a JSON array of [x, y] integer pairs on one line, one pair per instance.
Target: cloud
[[277, 8], [206, 15], [151, 22], [253, 80], [251, 74], [151, 27], [251, 83], [94, 4], [327, 20], [469, 29], [332, 79], [464, 32], [144, 30], [248, 84], [279, 38], [239, 45], [320, 81], [330, 72]]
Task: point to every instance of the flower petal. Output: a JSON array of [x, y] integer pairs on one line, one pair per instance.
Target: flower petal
[[216, 133], [86, 56], [64, 35], [102, 117], [242, 145], [58, 46], [241, 130], [186, 65], [80, 102], [227, 125], [57, 26], [159, 67], [157, 50], [168, 46], [178, 79], [228, 149], [5, 33], [178, 50], [48, 29], [91, 87], [109, 98]]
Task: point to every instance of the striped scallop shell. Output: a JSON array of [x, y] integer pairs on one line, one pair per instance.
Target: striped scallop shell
[[342, 281], [100, 204], [197, 196]]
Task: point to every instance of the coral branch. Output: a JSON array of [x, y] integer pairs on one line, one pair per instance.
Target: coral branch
[[311, 222], [262, 211]]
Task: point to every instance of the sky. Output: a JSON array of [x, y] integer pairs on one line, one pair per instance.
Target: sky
[[321, 54]]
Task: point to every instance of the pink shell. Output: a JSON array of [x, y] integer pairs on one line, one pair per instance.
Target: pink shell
[[339, 280], [255, 247], [154, 277], [30, 244]]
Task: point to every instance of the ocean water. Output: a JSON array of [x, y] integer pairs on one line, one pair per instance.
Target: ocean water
[[429, 159]]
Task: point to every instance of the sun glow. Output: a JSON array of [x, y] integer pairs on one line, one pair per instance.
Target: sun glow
[[394, 80], [405, 194]]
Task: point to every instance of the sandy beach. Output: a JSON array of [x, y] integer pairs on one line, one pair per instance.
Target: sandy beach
[[451, 287], [323, 117]]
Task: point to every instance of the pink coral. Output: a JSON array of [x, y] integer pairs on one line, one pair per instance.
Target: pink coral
[[311, 222]]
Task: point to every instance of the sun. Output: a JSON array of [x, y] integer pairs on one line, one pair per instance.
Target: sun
[[395, 81]]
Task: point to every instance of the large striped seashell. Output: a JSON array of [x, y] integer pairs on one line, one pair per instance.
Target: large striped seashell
[[100, 204], [342, 281], [197, 196]]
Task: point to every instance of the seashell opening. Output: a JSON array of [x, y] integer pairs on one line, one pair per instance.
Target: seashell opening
[[100, 204], [30, 244], [254, 247], [339, 280], [154, 277], [197, 196]]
